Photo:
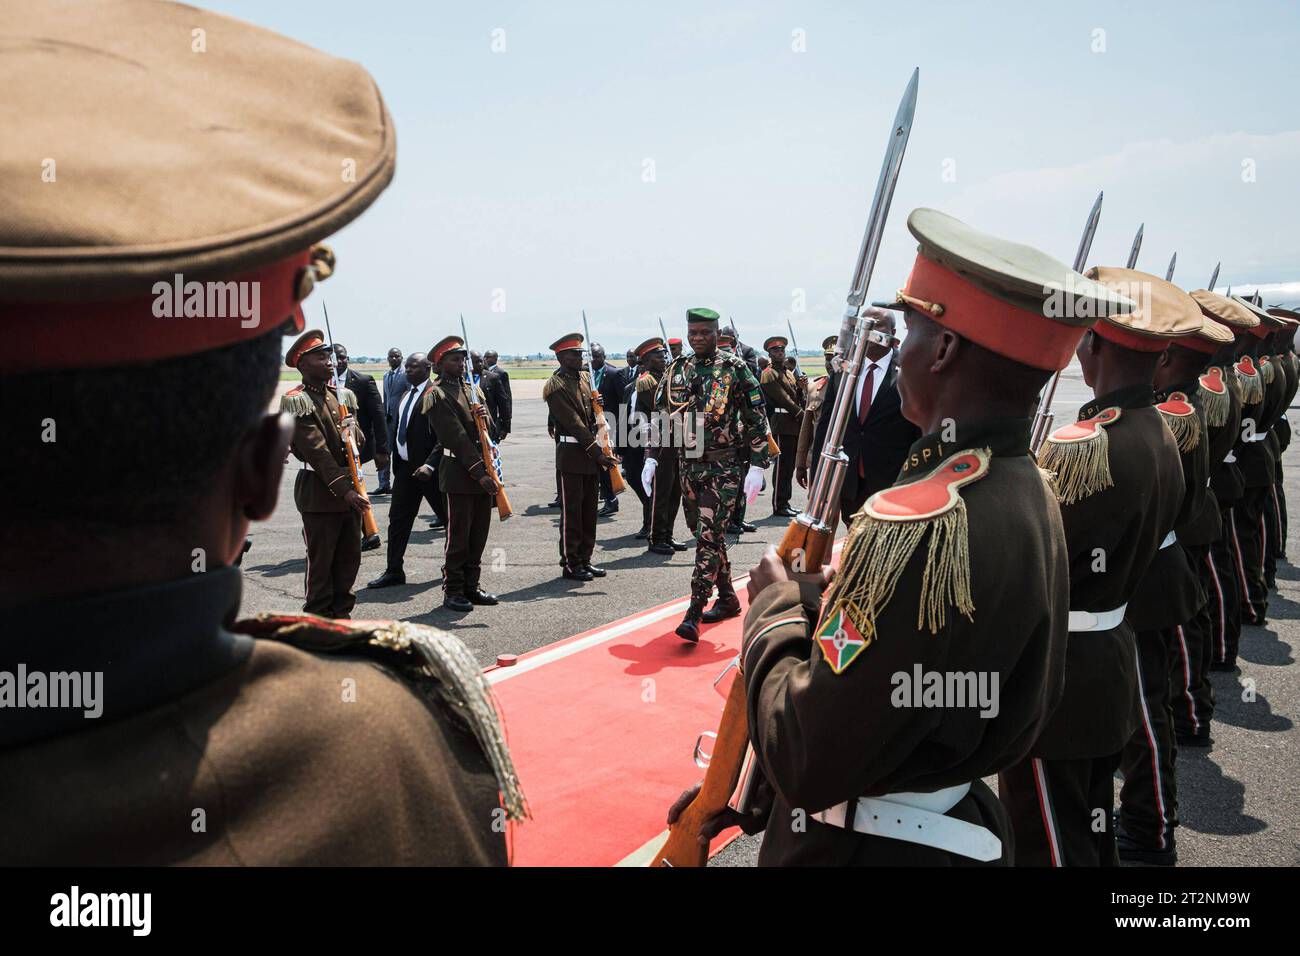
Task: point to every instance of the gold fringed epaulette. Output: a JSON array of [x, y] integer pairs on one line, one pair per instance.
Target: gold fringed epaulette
[[1214, 398], [435, 664], [1079, 457], [1252, 384], [1180, 416], [426, 402], [349, 400], [552, 384], [296, 402], [645, 382], [1266, 369], [882, 539]]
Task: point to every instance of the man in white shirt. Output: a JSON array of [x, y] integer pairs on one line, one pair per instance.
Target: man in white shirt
[[415, 470]]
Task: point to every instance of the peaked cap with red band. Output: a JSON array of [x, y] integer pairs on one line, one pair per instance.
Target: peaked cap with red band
[[655, 344], [161, 232], [1268, 324], [1161, 311], [1227, 312], [775, 342], [309, 341], [564, 343], [1208, 339], [452, 343], [1007, 297]]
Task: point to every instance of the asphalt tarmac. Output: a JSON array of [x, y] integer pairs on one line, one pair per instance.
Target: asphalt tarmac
[[1237, 801]]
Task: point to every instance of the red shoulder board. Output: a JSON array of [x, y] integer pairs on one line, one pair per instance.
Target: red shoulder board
[[934, 494], [295, 390], [1212, 382], [1246, 366], [1176, 404], [1086, 430]]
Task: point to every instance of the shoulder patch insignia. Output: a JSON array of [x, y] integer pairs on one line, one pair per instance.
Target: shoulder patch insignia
[[882, 540], [840, 640], [296, 402], [1180, 416], [1079, 457]]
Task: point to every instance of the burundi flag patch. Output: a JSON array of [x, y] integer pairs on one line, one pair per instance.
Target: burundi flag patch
[[840, 640]]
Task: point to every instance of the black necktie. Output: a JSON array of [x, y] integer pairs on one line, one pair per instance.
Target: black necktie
[[406, 417]]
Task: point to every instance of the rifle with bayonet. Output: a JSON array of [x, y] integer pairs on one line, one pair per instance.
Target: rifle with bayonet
[[773, 448], [369, 527], [1169, 273], [807, 544], [616, 483], [491, 454], [1043, 418], [1136, 248], [1214, 276]]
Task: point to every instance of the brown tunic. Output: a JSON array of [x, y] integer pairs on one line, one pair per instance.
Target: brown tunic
[[822, 738], [782, 397], [1122, 526], [218, 748], [568, 396], [447, 407], [318, 442]]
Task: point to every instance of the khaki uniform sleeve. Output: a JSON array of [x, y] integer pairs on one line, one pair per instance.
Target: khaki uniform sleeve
[[568, 421], [309, 445]]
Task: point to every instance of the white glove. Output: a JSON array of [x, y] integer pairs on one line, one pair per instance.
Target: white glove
[[648, 475], [753, 483]]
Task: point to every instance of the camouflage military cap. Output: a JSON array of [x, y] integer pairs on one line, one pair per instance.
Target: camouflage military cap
[[698, 316]]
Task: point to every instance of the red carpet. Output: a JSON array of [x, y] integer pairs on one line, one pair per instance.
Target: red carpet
[[602, 726]]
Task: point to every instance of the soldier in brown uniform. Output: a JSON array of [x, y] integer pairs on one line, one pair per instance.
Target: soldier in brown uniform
[[464, 478], [804, 465], [1263, 394], [1171, 592], [278, 740], [1227, 594], [578, 458], [1285, 349], [784, 399], [1120, 483], [1279, 379], [1181, 373], [662, 479], [866, 768], [331, 507]]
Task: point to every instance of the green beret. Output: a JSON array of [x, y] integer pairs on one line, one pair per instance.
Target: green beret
[[698, 316]]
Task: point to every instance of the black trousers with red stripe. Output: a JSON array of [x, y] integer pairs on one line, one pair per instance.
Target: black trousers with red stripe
[[1250, 524], [1226, 593], [1272, 532], [1060, 810], [1148, 800], [469, 516], [783, 473], [1190, 689]]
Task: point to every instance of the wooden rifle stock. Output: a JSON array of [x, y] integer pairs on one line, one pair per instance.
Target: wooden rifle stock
[[616, 482], [683, 847], [368, 524], [489, 454]]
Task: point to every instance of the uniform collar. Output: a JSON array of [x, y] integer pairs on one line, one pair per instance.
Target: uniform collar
[[1003, 437], [1187, 388], [151, 645], [1131, 396]]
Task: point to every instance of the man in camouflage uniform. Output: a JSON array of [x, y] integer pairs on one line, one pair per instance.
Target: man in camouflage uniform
[[716, 399]]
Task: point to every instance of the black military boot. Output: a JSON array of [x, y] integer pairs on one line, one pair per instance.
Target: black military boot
[[689, 629], [727, 605]]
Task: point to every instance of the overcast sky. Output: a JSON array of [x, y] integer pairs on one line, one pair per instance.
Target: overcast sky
[[635, 160]]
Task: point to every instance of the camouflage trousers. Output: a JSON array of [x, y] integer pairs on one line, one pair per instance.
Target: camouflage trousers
[[710, 491]]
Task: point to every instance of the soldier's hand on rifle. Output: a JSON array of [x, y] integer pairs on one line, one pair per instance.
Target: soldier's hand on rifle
[[605, 461], [750, 824], [487, 483], [772, 570], [801, 475], [350, 427], [356, 502], [423, 473]]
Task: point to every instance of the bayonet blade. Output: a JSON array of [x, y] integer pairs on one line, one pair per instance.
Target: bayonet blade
[[1089, 231], [1169, 273], [1137, 246], [1214, 276], [871, 237]]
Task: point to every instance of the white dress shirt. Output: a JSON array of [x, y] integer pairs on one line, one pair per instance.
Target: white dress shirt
[[410, 395], [882, 369]]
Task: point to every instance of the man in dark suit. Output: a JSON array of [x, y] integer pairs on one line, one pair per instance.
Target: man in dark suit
[[395, 385], [496, 393], [608, 381], [370, 410], [877, 436], [416, 453]]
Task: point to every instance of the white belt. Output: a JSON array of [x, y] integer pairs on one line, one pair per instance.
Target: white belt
[[1096, 620], [569, 439], [917, 818], [1170, 539]]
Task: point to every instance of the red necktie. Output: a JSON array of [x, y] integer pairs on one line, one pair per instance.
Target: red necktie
[[864, 409]]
